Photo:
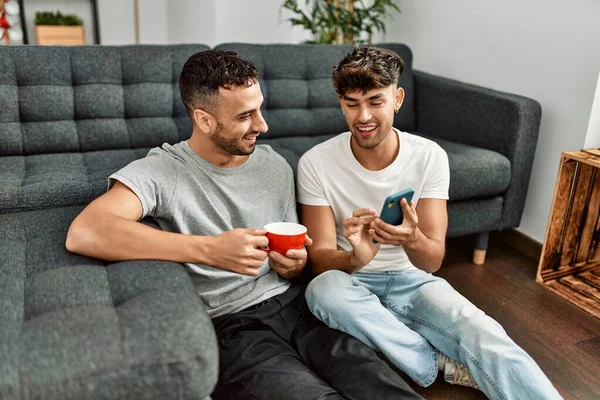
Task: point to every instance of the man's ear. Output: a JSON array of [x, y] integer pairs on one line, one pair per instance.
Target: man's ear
[[399, 98], [203, 120]]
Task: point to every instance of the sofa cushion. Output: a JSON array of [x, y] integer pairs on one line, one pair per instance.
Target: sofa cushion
[[50, 180], [86, 98], [466, 217], [299, 95], [74, 327], [475, 172]]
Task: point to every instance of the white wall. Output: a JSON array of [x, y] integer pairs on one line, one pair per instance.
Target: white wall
[[193, 21], [246, 21], [208, 22], [548, 50], [592, 138], [116, 22], [153, 19]]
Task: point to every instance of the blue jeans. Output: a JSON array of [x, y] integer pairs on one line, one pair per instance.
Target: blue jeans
[[403, 314]]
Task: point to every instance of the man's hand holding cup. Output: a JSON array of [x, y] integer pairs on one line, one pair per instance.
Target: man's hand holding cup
[[238, 250]]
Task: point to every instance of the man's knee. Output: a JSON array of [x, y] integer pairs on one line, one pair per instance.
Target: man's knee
[[324, 290], [480, 328]]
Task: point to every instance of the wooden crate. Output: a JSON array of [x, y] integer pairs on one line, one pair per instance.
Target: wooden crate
[[570, 262], [60, 35]]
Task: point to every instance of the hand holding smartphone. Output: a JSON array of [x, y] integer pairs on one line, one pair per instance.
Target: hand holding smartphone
[[391, 212]]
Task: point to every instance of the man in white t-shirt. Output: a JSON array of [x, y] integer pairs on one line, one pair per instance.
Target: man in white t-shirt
[[374, 279]]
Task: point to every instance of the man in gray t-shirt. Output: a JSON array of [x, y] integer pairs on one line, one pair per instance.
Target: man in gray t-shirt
[[211, 195], [185, 193]]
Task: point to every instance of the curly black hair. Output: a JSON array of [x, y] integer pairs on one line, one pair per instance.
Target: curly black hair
[[205, 72]]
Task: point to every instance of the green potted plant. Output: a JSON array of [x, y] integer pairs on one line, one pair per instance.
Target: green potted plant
[[341, 21], [58, 29]]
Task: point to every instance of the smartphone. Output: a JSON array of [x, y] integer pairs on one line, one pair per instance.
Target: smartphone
[[391, 212]]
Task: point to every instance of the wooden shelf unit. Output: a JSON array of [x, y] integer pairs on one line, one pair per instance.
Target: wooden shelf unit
[[570, 261]]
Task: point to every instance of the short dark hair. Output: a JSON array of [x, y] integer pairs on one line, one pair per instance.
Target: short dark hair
[[205, 72], [367, 68]]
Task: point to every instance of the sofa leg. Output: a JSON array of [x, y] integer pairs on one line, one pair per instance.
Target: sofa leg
[[481, 245]]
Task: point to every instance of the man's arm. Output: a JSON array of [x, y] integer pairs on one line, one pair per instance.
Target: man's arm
[[323, 254], [108, 229], [422, 237], [427, 251]]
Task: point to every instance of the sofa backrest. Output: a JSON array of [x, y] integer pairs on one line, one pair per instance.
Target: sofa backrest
[[299, 95], [73, 99], [86, 98]]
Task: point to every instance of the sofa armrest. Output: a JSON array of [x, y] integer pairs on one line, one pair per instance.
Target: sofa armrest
[[167, 336], [506, 123]]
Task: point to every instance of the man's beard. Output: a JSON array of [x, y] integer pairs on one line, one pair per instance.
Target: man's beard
[[231, 146], [371, 142]]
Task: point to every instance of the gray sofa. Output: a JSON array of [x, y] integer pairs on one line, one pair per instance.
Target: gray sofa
[[72, 327]]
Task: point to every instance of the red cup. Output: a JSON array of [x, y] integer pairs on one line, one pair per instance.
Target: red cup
[[284, 236]]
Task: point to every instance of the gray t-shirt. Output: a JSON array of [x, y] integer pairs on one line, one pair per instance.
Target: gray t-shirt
[[186, 194]]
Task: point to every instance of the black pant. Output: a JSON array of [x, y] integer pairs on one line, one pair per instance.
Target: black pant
[[279, 350]]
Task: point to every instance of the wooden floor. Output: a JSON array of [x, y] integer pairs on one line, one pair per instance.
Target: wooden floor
[[564, 340]]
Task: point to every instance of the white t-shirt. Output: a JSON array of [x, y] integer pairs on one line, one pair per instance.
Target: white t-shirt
[[330, 175]]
